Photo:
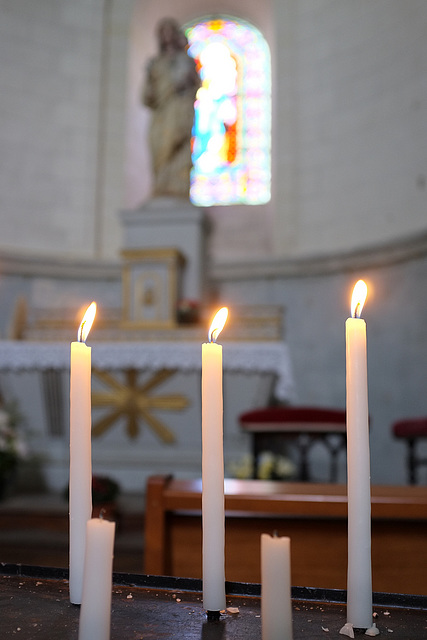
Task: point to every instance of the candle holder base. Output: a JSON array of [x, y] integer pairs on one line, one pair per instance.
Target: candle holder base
[[350, 631], [213, 616]]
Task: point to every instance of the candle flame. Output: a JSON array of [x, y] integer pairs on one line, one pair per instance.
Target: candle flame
[[218, 324], [358, 298], [86, 323]]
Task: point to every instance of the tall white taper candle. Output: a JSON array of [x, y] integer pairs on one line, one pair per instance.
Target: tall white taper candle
[[213, 518], [80, 484], [359, 578]]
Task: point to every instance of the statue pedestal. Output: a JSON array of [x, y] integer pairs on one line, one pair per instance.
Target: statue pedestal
[[174, 224]]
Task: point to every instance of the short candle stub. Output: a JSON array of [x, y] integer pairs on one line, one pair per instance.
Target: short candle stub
[[213, 616]]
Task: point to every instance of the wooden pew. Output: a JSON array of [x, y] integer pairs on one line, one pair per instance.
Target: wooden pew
[[313, 515]]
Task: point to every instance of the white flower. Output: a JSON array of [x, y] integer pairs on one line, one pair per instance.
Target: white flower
[[270, 467], [243, 469], [265, 465], [284, 467]]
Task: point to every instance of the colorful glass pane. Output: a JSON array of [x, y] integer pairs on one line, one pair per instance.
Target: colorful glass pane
[[232, 125]]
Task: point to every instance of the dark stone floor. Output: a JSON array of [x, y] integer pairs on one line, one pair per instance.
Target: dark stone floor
[[33, 606]]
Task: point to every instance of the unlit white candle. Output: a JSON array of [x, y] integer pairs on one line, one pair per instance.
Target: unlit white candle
[[213, 517], [276, 607], [80, 483], [95, 613], [359, 578]]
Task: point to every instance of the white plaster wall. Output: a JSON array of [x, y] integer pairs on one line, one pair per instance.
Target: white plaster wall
[[360, 118], [110, 186], [49, 101]]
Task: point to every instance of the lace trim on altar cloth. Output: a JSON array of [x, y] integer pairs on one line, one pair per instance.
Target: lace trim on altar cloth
[[268, 357]]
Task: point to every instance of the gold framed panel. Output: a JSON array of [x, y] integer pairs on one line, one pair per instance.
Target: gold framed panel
[[151, 280]]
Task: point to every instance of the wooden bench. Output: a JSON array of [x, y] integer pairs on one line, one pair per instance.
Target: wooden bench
[[313, 515], [34, 530]]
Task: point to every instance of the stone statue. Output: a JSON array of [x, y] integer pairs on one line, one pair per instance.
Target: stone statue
[[169, 91]]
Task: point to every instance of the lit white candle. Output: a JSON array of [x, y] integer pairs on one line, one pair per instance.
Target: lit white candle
[[80, 500], [213, 517], [276, 607], [95, 613], [359, 578]]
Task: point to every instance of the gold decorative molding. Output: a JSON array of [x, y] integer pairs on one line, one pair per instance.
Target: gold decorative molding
[[158, 254]]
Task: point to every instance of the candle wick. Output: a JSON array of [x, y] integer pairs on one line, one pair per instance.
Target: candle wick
[[275, 534], [80, 332], [102, 513], [357, 310]]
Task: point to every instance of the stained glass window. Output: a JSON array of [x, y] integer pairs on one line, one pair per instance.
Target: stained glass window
[[232, 128]]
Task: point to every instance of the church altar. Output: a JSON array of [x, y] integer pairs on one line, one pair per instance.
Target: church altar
[[146, 405]]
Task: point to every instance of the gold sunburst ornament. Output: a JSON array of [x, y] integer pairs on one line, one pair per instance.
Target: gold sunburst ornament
[[134, 402]]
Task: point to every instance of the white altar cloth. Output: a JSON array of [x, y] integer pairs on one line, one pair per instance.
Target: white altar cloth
[[36, 375], [247, 357]]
